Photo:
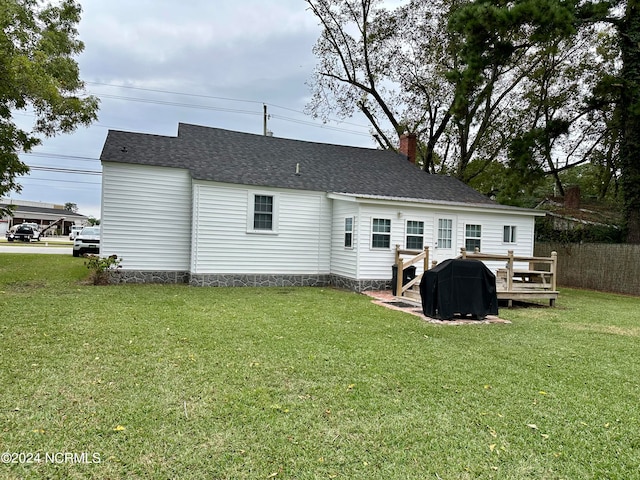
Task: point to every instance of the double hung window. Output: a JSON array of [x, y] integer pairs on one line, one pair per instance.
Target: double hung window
[[348, 232], [473, 234], [381, 233], [415, 235]]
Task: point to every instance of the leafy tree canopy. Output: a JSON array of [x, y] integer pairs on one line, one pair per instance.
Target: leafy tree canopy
[[38, 75]]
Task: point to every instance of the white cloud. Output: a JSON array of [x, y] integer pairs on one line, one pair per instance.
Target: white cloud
[[254, 50]]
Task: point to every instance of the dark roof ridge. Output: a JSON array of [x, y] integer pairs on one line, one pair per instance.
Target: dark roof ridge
[[227, 156], [297, 140]]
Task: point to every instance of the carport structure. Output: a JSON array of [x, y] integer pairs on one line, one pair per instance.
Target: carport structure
[[43, 215]]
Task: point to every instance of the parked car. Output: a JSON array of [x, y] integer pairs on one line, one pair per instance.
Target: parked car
[[87, 241], [75, 230], [25, 232]]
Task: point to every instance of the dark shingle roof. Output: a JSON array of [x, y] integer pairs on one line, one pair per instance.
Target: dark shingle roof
[[248, 159]]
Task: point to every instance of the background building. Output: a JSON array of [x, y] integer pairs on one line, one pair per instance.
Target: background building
[[41, 213]]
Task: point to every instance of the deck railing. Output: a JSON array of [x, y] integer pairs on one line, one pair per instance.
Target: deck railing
[[540, 275], [402, 264], [513, 282]]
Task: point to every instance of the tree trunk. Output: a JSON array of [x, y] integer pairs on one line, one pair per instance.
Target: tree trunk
[[630, 103]]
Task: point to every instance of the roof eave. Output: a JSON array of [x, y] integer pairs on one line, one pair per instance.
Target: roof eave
[[443, 204]]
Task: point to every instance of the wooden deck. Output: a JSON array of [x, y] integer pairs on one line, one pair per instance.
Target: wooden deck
[[523, 278]]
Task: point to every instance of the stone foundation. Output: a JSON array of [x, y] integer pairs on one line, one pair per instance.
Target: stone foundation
[[135, 276], [240, 280], [359, 285]]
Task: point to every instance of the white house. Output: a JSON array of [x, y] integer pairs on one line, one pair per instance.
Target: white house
[[220, 208]]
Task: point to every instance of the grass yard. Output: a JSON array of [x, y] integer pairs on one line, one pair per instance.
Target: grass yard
[[151, 381]]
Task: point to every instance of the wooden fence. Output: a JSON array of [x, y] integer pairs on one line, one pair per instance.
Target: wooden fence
[[596, 266]]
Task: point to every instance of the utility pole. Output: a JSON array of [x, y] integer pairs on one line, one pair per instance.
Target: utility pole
[[264, 119], [265, 131]]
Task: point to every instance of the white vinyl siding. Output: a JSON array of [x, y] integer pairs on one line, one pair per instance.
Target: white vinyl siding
[[222, 244], [376, 263], [493, 232], [146, 216], [344, 261]]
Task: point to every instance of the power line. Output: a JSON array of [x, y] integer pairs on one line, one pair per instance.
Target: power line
[[59, 155], [213, 97], [64, 170], [233, 110], [177, 104], [22, 180], [174, 93], [213, 108], [327, 127]]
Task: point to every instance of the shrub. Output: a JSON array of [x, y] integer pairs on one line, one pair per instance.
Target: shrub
[[102, 268]]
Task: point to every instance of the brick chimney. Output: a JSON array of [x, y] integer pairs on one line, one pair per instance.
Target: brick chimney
[[408, 145], [572, 197]]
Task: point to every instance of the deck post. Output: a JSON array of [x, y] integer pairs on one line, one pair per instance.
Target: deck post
[[463, 252], [399, 277], [425, 264], [510, 271], [397, 253], [554, 273]]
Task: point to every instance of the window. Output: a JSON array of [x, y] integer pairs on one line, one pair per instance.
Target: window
[[348, 232], [263, 212], [509, 235], [445, 226], [415, 235], [472, 237], [381, 233]]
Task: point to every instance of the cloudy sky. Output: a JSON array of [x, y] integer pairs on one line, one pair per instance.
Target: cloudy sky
[[155, 63]]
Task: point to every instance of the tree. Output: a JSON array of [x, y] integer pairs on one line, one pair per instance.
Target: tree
[[403, 69], [629, 32], [71, 207], [385, 64], [39, 75], [539, 19]]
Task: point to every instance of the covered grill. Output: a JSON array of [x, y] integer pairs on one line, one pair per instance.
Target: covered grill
[[464, 287]]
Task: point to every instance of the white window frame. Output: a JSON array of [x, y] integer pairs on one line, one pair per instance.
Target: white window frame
[[467, 237], [509, 233], [349, 232], [251, 201], [414, 235], [374, 233]]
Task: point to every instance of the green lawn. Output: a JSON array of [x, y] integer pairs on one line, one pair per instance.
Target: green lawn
[[178, 382]]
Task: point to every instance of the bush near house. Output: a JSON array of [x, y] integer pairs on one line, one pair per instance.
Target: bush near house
[[171, 381]]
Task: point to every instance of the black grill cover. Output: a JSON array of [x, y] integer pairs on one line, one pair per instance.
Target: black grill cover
[[465, 287]]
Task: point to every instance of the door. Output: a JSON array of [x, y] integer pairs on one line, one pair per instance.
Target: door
[[444, 242]]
